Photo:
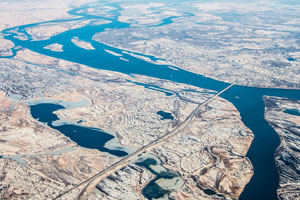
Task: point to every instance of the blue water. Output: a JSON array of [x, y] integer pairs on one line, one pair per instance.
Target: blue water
[[165, 115], [292, 112], [152, 190], [249, 103], [84, 136], [291, 59]]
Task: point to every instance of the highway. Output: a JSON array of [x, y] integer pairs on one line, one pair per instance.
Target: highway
[[90, 183]]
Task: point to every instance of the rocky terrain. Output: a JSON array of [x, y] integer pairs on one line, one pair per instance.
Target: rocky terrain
[[214, 161], [15, 13], [5, 48], [206, 159], [284, 116], [121, 107], [124, 184], [36, 161], [248, 43]]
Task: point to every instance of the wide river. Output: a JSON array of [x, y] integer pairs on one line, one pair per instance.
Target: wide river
[[248, 100]]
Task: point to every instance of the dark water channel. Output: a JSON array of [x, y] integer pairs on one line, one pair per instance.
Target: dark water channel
[[248, 100], [153, 190], [84, 136], [292, 112]]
